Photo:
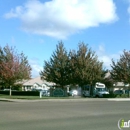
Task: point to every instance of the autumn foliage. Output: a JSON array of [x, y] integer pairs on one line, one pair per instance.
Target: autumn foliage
[[13, 66]]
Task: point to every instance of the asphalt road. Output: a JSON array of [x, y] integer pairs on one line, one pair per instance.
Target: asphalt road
[[58, 115]]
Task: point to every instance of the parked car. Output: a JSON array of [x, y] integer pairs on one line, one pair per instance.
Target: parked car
[[45, 93], [73, 92], [34, 89], [118, 92], [6, 90], [9, 90]]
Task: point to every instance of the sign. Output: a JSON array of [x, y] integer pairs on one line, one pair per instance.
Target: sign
[[58, 92]]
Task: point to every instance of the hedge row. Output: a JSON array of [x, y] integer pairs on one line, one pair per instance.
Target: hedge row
[[115, 96], [21, 93], [109, 95]]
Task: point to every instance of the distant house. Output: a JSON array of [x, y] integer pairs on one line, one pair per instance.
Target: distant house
[[121, 86], [117, 85], [36, 84]]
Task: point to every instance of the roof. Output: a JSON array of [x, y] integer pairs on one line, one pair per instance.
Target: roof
[[107, 75], [33, 81], [121, 84], [21, 82], [37, 80]]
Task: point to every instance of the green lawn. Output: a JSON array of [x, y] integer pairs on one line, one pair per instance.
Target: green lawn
[[32, 97]]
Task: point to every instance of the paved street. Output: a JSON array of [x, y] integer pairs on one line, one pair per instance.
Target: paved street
[[63, 115]]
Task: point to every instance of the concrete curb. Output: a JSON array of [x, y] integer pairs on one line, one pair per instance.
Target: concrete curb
[[65, 100], [54, 100], [119, 99]]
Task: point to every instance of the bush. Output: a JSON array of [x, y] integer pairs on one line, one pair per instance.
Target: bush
[[109, 96], [122, 96], [115, 96]]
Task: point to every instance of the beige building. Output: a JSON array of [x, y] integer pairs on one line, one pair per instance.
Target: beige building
[[117, 85], [36, 84], [120, 86]]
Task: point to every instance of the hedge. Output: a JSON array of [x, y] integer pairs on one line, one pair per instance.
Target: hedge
[[109, 95]]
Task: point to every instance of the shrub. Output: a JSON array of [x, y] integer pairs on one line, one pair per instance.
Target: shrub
[[122, 96], [108, 96]]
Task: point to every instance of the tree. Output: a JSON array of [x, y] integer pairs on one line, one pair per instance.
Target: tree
[[86, 69], [121, 68], [76, 67], [13, 66], [56, 69]]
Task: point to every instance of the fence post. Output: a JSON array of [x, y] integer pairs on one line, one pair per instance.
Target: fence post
[[10, 91], [40, 94]]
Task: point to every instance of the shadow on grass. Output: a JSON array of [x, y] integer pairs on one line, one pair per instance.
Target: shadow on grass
[[5, 101]]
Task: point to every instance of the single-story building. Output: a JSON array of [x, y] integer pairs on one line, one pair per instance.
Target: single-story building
[[120, 86], [36, 84], [117, 85]]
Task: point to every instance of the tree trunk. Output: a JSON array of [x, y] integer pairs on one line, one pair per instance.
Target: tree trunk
[[10, 92]]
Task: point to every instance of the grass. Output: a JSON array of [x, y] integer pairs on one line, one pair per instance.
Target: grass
[[32, 97], [19, 97]]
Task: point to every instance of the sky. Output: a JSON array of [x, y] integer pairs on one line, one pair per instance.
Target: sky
[[35, 27]]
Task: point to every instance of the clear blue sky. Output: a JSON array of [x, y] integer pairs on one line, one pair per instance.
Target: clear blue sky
[[36, 26]]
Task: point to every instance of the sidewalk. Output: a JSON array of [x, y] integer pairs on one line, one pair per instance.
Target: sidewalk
[[118, 99], [65, 100]]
